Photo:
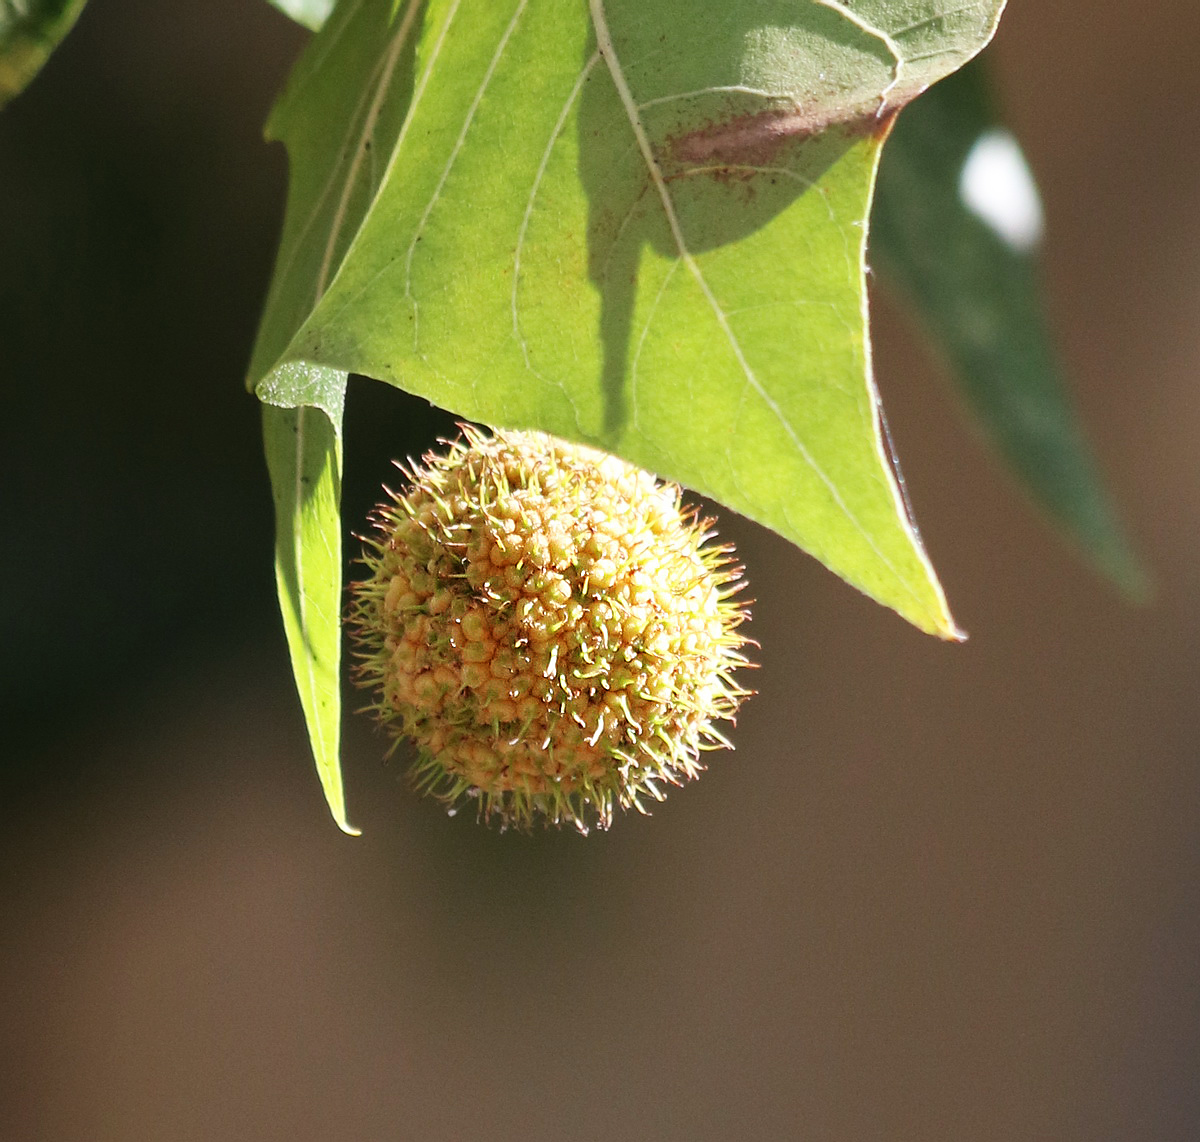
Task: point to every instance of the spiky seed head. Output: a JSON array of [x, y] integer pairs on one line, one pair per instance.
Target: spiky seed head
[[548, 626]]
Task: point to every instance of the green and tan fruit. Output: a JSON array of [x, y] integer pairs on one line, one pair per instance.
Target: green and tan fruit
[[551, 630]]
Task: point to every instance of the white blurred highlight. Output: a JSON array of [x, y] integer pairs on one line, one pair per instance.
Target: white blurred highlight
[[998, 188]]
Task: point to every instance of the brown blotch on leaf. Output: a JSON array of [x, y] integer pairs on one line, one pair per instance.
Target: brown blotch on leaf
[[756, 139]]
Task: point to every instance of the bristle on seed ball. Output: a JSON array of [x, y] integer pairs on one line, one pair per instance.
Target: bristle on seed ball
[[548, 626]]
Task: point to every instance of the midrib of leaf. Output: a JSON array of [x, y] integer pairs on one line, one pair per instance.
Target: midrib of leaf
[[607, 50]]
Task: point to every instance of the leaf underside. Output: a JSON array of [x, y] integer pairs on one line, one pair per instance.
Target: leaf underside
[[621, 222]]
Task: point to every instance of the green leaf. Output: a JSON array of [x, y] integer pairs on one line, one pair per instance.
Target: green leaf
[[966, 261], [304, 457], [311, 13], [29, 31], [630, 223]]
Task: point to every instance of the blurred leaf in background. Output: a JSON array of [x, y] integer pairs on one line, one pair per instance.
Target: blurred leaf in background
[[956, 228], [29, 31]]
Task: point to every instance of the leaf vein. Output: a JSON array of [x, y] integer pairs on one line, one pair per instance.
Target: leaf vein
[[863, 25], [732, 89], [386, 70], [559, 124], [493, 63]]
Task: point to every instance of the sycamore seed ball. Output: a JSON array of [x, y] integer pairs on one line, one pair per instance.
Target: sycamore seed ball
[[555, 635]]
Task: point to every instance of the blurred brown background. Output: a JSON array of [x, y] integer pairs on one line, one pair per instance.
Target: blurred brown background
[[939, 892]]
